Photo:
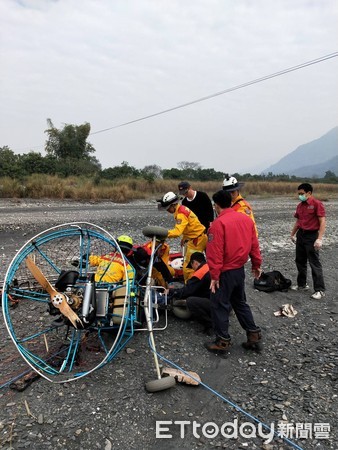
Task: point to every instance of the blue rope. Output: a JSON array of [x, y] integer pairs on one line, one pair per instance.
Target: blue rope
[[16, 378], [238, 408]]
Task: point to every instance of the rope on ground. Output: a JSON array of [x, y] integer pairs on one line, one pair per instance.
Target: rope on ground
[[238, 408]]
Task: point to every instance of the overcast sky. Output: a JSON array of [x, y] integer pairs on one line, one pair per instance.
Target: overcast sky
[[108, 62]]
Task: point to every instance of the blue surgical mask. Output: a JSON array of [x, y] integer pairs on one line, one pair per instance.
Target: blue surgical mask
[[302, 197]]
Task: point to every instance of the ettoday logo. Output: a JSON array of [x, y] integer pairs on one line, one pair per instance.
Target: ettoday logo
[[246, 430], [210, 430]]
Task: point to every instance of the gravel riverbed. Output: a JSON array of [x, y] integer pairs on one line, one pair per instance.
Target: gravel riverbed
[[293, 381]]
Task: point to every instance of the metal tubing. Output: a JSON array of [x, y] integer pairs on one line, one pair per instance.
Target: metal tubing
[[146, 303]]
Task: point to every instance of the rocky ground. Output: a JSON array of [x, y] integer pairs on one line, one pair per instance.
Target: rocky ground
[[293, 381]]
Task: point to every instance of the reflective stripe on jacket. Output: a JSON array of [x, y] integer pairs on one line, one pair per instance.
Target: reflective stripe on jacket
[[110, 268], [162, 252], [244, 207], [187, 224]]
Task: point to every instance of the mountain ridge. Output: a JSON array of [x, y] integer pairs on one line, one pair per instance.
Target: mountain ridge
[[322, 152]]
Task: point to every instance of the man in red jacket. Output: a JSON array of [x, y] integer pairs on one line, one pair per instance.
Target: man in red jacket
[[231, 240]]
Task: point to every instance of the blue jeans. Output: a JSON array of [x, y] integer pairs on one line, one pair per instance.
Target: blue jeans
[[231, 294]]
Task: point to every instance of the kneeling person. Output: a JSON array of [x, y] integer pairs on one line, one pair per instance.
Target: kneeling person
[[197, 290]]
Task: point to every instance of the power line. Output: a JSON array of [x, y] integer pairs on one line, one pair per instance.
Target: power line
[[226, 91]]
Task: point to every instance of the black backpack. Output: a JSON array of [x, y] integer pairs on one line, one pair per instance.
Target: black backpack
[[272, 281]]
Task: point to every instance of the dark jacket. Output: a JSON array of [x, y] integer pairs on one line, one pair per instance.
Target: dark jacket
[[197, 286], [201, 205]]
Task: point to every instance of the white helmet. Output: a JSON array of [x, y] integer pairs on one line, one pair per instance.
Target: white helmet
[[169, 199], [231, 184]]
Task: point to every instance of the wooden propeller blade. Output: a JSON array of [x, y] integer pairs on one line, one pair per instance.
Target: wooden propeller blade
[[39, 276], [61, 302]]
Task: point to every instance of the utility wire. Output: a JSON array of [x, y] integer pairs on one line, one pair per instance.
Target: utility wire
[[226, 91]]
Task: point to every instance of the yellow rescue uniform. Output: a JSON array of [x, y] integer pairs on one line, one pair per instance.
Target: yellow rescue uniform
[[244, 207], [110, 268], [192, 233]]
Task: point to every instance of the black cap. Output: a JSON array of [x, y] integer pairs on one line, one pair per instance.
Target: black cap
[[183, 187], [196, 256]]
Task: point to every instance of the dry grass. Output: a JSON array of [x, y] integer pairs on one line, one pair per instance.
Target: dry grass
[[121, 191]]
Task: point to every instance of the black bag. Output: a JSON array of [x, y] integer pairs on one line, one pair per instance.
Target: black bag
[[272, 281]]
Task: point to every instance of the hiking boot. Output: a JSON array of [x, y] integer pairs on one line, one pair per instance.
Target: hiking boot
[[300, 288], [318, 295], [220, 345], [254, 340]]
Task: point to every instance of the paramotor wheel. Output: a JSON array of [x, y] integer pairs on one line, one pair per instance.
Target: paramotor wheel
[[161, 384], [60, 317], [180, 310]]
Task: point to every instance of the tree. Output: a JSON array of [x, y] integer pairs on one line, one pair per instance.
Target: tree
[[9, 163], [330, 176], [33, 162], [209, 175], [122, 171], [173, 174], [151, 172], [186, 165], [70, 142], [71, 150]]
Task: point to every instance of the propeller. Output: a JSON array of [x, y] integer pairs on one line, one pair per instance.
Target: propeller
[[59, 300]]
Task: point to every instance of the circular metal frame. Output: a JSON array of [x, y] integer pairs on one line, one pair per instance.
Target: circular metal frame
[[56, 349]]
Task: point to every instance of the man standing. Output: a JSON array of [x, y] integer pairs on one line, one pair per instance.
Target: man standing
[[230, 184], [199, 202], [310, 228], [232, 239], [188, 227]]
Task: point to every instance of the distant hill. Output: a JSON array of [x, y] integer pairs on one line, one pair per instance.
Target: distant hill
[[320, 153]]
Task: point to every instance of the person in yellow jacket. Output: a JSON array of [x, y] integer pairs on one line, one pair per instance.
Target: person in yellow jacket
[[110, 267], [230, 184], [188, 227]]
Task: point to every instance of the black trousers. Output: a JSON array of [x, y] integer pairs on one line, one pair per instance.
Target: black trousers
[[201, 309], [231, 294], [305, 252]]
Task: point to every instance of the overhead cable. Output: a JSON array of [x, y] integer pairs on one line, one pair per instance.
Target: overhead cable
[[225, 91]]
